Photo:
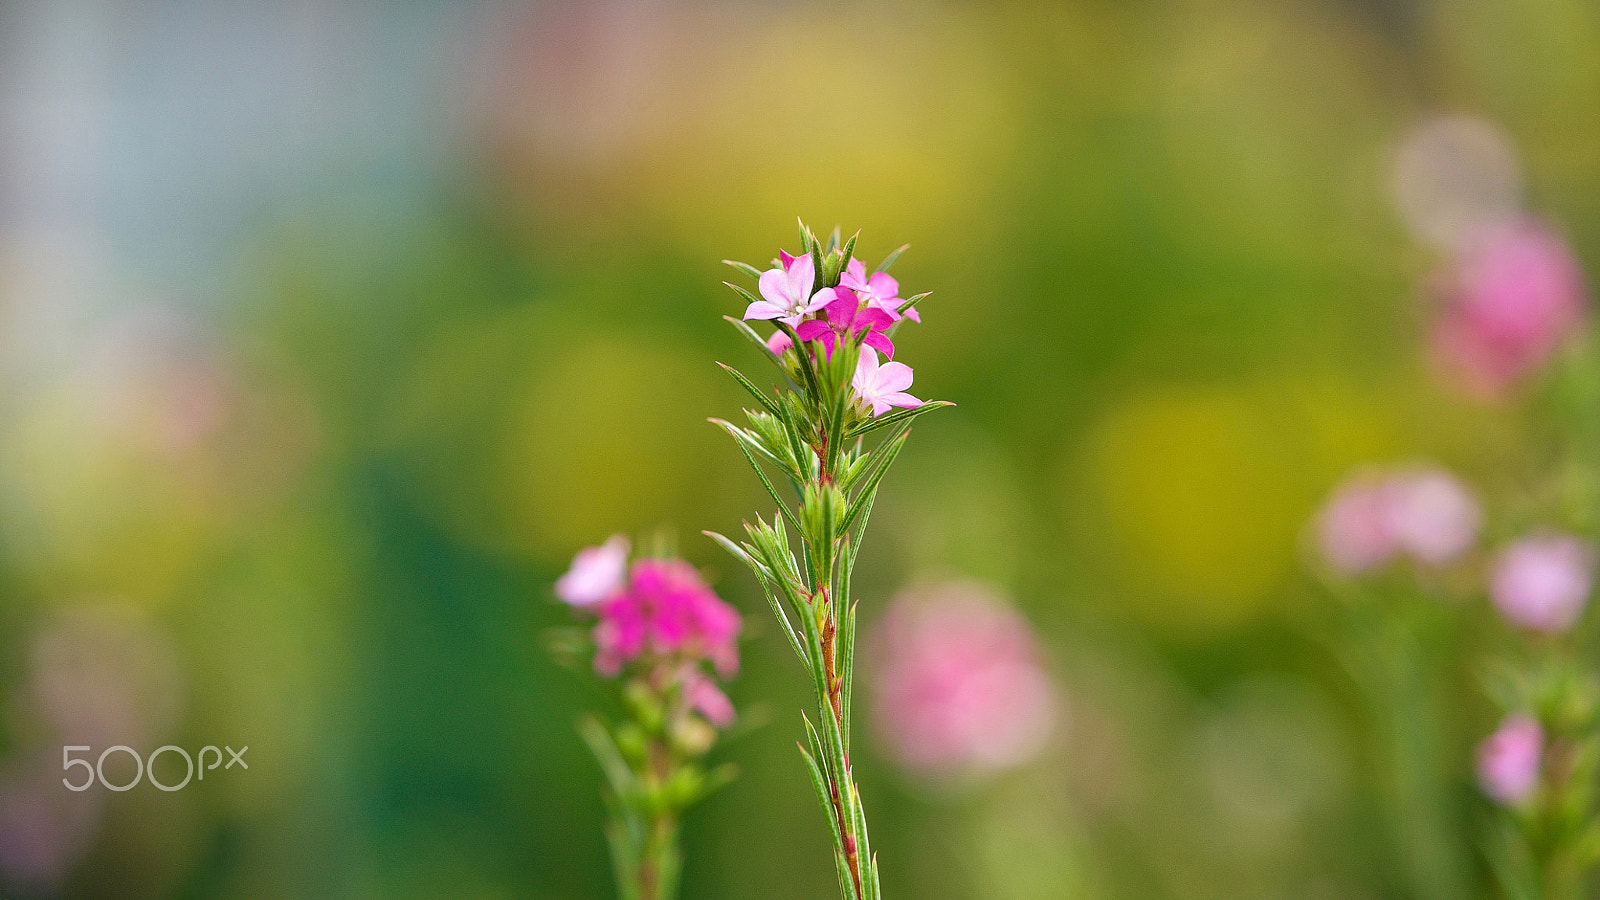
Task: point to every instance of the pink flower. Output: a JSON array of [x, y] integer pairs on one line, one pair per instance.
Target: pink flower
[[786, 292], [959, 686], [1354, 530], [1432, 515], [1514, 294], [882, 387], [1425, 513], [705, 697], [1542, 582], [847, 316], [596, 573], [1508, 760], [779, 343], [666, 610], [879, 291]]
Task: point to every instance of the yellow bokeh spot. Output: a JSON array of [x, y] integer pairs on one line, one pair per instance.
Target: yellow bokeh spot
[[1201, 501]]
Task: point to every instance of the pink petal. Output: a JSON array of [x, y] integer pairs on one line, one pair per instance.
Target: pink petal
[[811, 329], [866, 369], [880, 406], [774, 286], [884, 287], [874, 318], [879, 341], [778, 343], [893, 377], [761, 309], [843, 309], [820, 299], [785, 257], [905, 400], [914, 315], [802, 275]]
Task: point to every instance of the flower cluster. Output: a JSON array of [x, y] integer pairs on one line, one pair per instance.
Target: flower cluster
[[656, 625], [659, 611], [1512, 295], [863, 308], [1422, 512], [959, 684]]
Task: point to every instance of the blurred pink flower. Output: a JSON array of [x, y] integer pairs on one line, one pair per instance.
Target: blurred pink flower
[[1542, 582], [786, 292], [1424, 512], [959, 685], [706, 698], [44, 828], [1508, 760], [1433, 516], [1512, 296], [879, 291], [779, 343], [1354, 529], [882, 386], [847, 316], [596, 573], [666, 609]]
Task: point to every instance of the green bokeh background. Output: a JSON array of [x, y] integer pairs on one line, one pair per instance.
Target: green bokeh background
[[439, 284]]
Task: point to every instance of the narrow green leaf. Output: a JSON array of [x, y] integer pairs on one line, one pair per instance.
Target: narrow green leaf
[[806, 370], [762, 398], [760, 472], [754, 338], [847, 664], [872, 480], [877, 423], [833, 239], [756, 566], [875, 458], [891, 259], [846, 884], [746, 268], [849, 251], [604, 747], [913, 301], [749, 297]]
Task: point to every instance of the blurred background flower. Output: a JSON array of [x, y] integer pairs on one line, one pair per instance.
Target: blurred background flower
[[329, 332]]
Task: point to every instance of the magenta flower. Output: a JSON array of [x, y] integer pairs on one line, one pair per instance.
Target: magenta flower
[[959, 685], [1513, 295], [786, 292], [666, 610], [596, 573], [879, 291], [1508, 760], [882, 386], [1424, 512], [848, 316], [1542, 582]]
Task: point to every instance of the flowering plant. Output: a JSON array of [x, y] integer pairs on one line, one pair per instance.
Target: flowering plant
[[656, 626], [833, 321], [1511, 307]]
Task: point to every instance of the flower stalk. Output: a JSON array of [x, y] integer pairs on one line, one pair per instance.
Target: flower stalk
[[813, 431]]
